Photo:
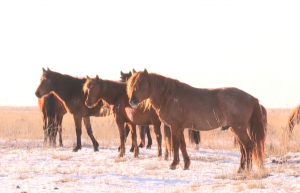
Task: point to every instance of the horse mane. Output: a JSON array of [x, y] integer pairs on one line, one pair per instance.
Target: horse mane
[[170, 86]]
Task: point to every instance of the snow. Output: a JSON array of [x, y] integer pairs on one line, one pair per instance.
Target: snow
[[25, 166]]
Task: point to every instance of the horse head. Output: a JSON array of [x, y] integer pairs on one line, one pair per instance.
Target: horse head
[[47, 83], [92, 88], [138, 88]]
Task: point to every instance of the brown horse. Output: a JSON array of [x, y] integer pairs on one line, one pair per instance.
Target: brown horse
[[114, 93], [194, 136], [53, 112], [294, 118], [143, 129], [69, 90], [182, 106]]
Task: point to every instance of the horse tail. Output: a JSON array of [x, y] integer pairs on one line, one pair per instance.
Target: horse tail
[[257, 134], [265, 116], [194, 136], [191, 136], [168, 141]]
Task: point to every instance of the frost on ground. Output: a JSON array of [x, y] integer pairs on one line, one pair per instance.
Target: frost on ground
[[28, 167]]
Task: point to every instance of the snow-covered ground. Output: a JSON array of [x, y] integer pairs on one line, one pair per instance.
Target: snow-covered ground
[[25, 166]]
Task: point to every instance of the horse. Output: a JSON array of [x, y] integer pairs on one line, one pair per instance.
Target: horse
[[114, 94], [143, 129], [53, 112], [69, 90], [180, 106], [193, 136], [294, 118]]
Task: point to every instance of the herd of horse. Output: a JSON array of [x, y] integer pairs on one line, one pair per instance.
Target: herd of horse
[[140, 99]]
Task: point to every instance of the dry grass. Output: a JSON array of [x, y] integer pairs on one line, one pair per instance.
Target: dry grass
[[25, 123]]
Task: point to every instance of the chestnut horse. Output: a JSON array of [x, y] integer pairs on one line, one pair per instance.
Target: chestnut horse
[[53, 112], [114, 93], [69, 90], [181, 106], [143, 129], [294, 118], [194, 136]]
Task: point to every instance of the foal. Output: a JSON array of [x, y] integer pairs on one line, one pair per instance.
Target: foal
[[69, 90], [53, 112], [114, 93]]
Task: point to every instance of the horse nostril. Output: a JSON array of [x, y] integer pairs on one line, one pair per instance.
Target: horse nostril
[[134, 102], [37, 94]]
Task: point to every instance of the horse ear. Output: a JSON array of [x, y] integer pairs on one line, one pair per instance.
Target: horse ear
[[87, 77], [44, 69], [97, 77], [48, 69], [122, 73], [130, 73], [145, 71], [133, 70]]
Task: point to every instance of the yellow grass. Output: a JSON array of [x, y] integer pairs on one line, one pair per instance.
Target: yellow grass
[[25, 123]]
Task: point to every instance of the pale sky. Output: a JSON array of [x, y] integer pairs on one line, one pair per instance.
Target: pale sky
[[251, 45]]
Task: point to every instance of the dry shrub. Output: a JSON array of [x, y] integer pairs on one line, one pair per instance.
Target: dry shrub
[[25, 123]]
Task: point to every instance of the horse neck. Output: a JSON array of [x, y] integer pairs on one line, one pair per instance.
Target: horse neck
[[111, 91], [68, 87], [158, 91]]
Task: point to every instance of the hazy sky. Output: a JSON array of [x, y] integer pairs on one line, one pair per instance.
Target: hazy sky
[[252, 45]]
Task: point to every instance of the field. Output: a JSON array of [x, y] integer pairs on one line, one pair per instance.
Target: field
[[26, 166]]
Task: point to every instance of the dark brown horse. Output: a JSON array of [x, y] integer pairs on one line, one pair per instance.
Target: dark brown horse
[[182, 106], [114, 93], [143, 129], [294, 118], [53, 112], [69, 90]]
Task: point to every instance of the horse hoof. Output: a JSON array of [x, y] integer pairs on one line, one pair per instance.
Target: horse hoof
[[120, 155], [141, 145], [148, 147], [172, 167], [132, 149], [95, 150]]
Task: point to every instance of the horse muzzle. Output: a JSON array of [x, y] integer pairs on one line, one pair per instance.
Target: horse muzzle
[[38, 95], [134, 103], [89, 104]]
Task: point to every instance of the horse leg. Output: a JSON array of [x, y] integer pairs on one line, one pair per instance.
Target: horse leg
[[142, 130], [126, 134], [134, 140], [87, 123], [45, 130], [120, 124], [246, 148], [158, 138], [149, 137], [60, 131], [177, 134], [77, 120], [168, 141], [187, 161]]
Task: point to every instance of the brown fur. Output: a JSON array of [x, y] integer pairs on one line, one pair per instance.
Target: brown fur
[[294, 118], [182, 106], [143, 129], [114, 93], [52, 115], [69, 90]]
